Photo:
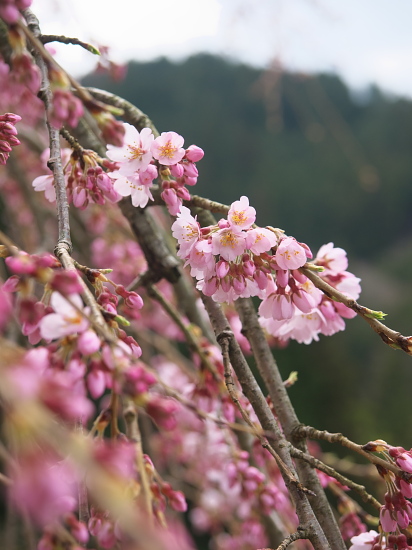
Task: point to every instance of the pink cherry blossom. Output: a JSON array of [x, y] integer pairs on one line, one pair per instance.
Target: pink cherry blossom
[[290, 254], [66, 319], [186, 231], [229, 243], [260, 240], [43, 486], [349, 285], [131, 185], [334, 260], [168, 148], [364, 541], [46, 182], [135, 154], [201, 259], [241, 215]]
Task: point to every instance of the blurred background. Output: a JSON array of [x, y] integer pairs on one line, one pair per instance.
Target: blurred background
[[305, 107]]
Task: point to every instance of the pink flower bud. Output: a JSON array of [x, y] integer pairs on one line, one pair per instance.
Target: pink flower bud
[[210, 286], [96, 382], [172, 201], [190, 181], [194, 153], [282, 278], [223, 224], [80, 197], [183, 193], [147, 177], [177, 501], [405, 462], [388, 523], [190, 170], [249, 268], [261, 279], [239, 284], [222, 268], [88, 342], [177, 170]]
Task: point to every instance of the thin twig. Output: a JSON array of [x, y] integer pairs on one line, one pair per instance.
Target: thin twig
[[319, 465], [312, 433], [190, 338], [300, 534], [391, 337], [47, 38]]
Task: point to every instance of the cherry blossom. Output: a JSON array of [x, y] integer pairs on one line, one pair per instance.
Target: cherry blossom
[[186, 231], [168, 148], [67, 319], [241, 215], [364, 541], [135, 154], [290, 254], [132, 186]]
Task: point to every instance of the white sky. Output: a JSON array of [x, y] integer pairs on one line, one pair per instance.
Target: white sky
[[363, 40]]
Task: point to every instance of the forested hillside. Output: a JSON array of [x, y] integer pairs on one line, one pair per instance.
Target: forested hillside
[[325, 164]]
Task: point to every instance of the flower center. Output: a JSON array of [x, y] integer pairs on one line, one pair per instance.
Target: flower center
[[238, 217], [167, 150], [228, 239], [135, 152]]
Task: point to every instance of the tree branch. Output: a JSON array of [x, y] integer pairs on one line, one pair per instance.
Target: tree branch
[[254, 394]]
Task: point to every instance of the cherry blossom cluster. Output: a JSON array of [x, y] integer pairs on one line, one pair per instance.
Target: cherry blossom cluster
[[306, 323], [86, 181], [230, 492], [235, 259], [396, 514], [65, 107], [137, 166], [74, 364], [24, 73], [19, 90], [8, 135]]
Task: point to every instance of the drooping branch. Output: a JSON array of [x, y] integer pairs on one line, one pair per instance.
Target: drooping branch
[[391, 337]]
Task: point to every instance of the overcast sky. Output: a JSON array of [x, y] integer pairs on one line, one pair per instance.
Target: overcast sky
[[365, 41]]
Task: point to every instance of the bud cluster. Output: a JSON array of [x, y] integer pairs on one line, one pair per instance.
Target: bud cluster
[[8, 135]]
